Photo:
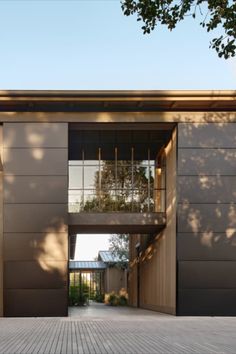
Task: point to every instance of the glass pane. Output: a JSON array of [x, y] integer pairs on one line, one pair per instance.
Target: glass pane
[[91, 201], [91, 162], [75, 201], [152, 176], [124, 163], [72, 279], [108, 176], [108, 200], [91, 177], [124, 200], [140, 200], [124, 177], [140, 176], [77, 279], [141, 162], [75, 163], [105, 163], [75, 177]]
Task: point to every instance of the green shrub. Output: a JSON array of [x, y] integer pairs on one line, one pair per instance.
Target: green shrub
[[123, 297], [123, 300], [99, 297], [77, 297], [113, 299]]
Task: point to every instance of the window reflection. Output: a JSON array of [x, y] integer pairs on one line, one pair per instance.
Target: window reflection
[[118, 185], [91, 174]]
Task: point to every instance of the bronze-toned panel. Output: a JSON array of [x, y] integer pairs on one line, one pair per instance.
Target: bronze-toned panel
[[207, 218], [207, 274], [207, 302], [35, 302], [116, 222], [1, 226], [203, 135], [206, 162], [28, 135], [35, 218], [210, 189], [206, 246], [35, 189], [35, 161], [36, 246], [41, 274]]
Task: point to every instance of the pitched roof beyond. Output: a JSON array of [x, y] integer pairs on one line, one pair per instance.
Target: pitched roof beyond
[[87, 265], [108, 257]]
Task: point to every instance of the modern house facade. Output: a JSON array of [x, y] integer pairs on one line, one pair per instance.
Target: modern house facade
[[158, 165]]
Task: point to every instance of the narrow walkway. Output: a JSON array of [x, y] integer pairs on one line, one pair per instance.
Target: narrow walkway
[[99, 329]]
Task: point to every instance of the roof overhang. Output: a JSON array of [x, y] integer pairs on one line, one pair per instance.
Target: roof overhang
[[116, 101]]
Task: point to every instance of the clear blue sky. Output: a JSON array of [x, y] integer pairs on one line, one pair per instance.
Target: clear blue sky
[[92, 45]]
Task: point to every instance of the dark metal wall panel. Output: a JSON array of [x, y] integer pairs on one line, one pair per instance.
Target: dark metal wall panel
[[44, 135], [25, 220], [207, 274], [206, 162], [1, 225], [206, 218], [206, 246], [206, 214], [213, 189], [206, 302], [205, 135], [28, 189], [32, 275], [35, 219], [35, 161], [52, 246], [35, 302]]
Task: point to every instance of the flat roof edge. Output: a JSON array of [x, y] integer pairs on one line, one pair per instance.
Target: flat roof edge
[[116, 93]]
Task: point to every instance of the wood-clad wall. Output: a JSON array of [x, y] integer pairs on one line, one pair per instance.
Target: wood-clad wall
[[158, 261], [115, 279]]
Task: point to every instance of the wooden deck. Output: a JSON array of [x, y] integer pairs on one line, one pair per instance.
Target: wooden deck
[[109, 330]]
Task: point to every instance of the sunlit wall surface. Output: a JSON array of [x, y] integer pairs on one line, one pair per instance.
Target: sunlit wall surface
[[120, 171]]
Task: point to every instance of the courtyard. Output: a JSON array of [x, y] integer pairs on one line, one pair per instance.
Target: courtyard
[[104, 329]]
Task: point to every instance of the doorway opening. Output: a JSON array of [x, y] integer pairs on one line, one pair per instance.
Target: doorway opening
[[99, 271]]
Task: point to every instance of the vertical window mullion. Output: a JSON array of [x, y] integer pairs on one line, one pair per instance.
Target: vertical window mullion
[[116, 179], [99, 179], [83, 179], [149, 191], [132, 179]]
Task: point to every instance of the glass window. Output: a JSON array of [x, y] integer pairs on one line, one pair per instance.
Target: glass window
[[91, 201], [117, 173], [91, 177], [75, 177]]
